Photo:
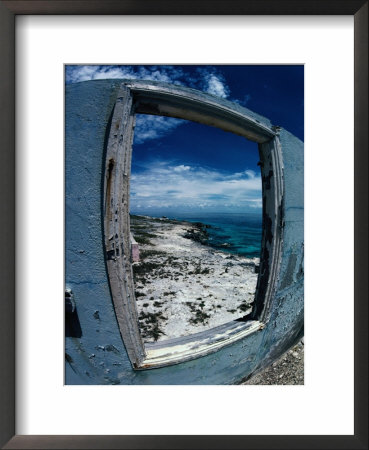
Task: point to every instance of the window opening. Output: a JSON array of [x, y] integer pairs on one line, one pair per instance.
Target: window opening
[[196, 226]]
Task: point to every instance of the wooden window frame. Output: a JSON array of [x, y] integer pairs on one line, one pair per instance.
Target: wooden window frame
[[148, 97]]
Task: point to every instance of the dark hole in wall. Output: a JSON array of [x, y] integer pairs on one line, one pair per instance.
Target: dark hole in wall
[[72, 323]]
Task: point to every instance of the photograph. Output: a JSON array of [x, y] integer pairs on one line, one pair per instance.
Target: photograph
[[184, 224]]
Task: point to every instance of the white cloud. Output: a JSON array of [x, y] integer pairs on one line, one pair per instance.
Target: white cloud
[[154, 127], [167, 185], [216, 86], [181, 168], [250, 173], [204, 78], [167, 74]]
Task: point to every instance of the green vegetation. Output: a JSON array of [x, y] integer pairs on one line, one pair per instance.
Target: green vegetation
[[150, 324], [198, 270], [139, 294], [243, 307], [151, 253], [144, 238], [200, 316], [143, 268]]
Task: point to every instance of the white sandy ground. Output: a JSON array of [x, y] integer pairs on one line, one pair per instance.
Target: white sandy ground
[[191, 287]]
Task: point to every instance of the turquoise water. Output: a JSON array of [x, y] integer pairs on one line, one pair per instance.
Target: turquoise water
[[238, 233]]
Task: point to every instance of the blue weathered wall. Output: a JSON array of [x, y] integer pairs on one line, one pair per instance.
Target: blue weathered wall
[[95, 353]]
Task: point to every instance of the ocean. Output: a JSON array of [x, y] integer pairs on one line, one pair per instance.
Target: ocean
[[237, 233]]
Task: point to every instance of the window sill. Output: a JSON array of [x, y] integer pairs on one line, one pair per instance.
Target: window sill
[[178, 350]]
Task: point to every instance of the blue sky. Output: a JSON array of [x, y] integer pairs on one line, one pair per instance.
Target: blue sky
[[217, 171]]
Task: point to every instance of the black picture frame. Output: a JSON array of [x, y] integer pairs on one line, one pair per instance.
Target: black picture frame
[[8, 11]]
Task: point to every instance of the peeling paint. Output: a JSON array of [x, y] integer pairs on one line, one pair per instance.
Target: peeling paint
[[90, 109]]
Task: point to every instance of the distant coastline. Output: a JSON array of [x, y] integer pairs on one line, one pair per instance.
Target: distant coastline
[[236, 233]]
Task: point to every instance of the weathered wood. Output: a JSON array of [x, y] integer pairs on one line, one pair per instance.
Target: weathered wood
[[175, 101], [272, 237], [162, 99], [177, 350], [117, 224]]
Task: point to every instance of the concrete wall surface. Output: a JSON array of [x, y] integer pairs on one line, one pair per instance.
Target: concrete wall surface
[[94, 350]]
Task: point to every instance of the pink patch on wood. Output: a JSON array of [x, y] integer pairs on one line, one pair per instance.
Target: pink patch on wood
[[135, 253]]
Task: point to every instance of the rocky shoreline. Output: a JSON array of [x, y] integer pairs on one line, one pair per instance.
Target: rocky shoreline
[[184, 286]]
